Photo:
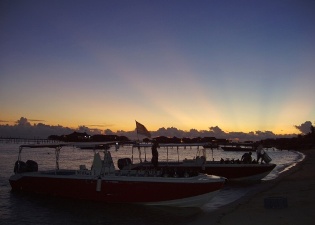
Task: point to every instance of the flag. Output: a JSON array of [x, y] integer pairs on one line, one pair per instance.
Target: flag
[[142, 130]]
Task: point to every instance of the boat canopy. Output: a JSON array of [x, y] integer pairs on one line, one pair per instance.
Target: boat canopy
[[58, 147]]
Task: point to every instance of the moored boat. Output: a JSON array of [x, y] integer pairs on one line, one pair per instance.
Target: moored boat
[[106, 184], [233, 170], [239, 147]]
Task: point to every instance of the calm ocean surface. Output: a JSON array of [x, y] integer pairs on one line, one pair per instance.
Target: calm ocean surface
[[19, 209]]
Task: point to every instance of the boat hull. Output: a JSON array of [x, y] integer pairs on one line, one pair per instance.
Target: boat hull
[[181, 192], [233, 172], [240, 172]]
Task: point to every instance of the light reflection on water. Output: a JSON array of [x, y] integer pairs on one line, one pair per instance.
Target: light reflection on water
[[18, 208]]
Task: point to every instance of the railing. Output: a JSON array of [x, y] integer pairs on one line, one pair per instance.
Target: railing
[[27, 141]]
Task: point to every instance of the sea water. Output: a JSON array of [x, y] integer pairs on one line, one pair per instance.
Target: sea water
[[17, 208]]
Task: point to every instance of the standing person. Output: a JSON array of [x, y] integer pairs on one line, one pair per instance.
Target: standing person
[[260, 153], [155, 154]]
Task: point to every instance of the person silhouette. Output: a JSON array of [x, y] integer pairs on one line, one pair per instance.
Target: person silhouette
[[247, 157], [155, 154], [260, 153]]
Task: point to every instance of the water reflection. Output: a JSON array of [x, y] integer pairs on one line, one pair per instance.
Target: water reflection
[[48, 210]]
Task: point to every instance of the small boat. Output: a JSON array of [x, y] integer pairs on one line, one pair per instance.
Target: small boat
[[232, 170], [210, 145], [239, 147], [106, 184], [93, 147]]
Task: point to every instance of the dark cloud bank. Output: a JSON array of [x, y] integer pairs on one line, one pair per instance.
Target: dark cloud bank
[[24, 129]]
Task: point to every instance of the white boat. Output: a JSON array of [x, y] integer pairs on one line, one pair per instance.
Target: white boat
[[106, 184]]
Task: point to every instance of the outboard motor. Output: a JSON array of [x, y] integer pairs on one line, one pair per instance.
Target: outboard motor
[[31, 166], [123, 162], [20, 167]]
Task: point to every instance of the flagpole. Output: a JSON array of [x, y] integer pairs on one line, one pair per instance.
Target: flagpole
[[137, 132], [138, 142]]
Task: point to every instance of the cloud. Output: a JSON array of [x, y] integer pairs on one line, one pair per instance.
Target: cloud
[[35, 120], [24, 129], [305, 127], [4, 121], [23, 122], [91, 131], [99, 125], [216, 130]]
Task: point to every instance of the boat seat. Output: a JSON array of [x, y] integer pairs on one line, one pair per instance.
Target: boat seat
[[108, 163], [82, 167], [200, 160], [97, 164]]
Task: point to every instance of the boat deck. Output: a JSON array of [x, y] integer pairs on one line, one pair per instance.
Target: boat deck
[[59, 172]]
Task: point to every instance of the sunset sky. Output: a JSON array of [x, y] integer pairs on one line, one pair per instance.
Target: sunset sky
[[239, 65]]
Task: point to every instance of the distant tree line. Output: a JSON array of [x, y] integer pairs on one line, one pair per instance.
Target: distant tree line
[[300, 142], [84, 137], [306, 141]]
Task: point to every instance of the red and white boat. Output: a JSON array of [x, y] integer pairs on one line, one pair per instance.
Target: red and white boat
[[232, 170], [104, 183]]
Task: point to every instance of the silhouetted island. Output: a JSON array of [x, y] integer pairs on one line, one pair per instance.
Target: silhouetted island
[[300, 142]]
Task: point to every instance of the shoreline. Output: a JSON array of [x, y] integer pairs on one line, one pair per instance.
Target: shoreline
[[296, 186]]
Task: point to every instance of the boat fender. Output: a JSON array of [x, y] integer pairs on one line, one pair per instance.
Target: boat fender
[[99, 184]]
